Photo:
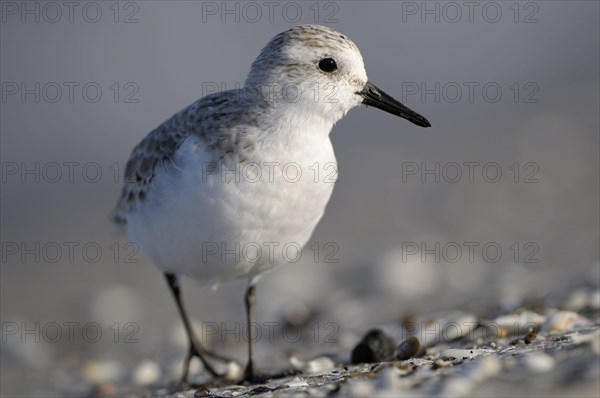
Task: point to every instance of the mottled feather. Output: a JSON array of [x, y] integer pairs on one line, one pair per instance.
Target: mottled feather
[[216, 119], [221, 119]]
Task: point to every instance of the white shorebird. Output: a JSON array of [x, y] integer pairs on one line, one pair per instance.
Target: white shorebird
[[210, 192]]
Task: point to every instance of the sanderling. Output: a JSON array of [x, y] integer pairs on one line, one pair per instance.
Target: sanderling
[[191, 211]]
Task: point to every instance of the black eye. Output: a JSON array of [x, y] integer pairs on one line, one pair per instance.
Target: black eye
[[327, 65]]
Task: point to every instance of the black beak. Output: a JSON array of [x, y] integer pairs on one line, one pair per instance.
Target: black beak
[[376, 97]]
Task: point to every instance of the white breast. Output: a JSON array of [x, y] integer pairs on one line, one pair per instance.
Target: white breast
[[237, 221]]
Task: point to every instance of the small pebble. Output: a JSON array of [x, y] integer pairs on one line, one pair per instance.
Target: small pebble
[[318, 365], [539, 362], [563, 321], [405, 368], [577, 301], [202, 392], [520, 321], [440, 363], [531, 336], [407, 349], [146, 373], [314, 366], [296, 383], [102, 372], [376, 346], [234, 371], [581, 300], [297, 314]]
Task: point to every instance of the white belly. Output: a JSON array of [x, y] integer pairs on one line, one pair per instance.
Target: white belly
[[233, 223]]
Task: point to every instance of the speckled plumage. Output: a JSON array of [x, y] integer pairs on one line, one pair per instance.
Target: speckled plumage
[[227, 222], [171, 207], [215, 119], [220, 119]]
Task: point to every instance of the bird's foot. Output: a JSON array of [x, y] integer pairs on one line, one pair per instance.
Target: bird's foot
[[198, 351]]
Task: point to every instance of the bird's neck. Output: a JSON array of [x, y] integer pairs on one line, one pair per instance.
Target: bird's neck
[[296, 107], [297, 122]]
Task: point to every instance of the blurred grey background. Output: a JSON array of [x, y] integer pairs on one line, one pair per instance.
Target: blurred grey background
[[543, 55]]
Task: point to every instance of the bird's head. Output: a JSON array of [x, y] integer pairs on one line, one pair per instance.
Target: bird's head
[[319, 71]]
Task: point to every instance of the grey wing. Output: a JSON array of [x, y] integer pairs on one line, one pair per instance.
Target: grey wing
[[155, 150], [210, 118]]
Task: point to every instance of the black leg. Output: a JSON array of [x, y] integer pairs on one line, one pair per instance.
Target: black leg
[[196, 349], [250, 374], [250, 300]]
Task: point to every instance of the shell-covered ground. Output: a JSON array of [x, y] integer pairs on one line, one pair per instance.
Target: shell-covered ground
[[541, 351], [561, 359]]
